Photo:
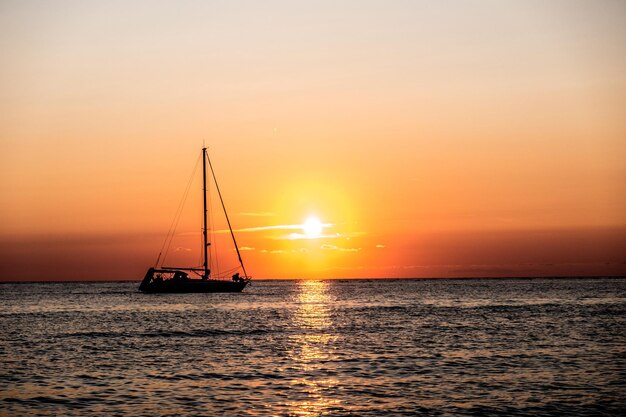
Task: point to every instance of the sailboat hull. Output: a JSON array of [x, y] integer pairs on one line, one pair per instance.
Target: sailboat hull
[[195, 286], [176, 281]]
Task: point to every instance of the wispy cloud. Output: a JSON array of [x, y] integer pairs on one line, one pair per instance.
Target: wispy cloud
[[339, 249], [182, 249], [298, 236], [245, 248], [260, 214], [380, 246], [272, 227], [279, 251]]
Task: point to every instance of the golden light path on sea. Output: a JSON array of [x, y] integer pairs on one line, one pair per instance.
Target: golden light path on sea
[[311, 346]]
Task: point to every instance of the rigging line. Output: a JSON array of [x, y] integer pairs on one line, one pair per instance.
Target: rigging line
[[227, 273], [217, 187], [178, 219], [180, 211], [212, 230], [170, 233], [201, 241]]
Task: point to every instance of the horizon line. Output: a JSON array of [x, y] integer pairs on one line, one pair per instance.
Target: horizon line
[[504, 277]]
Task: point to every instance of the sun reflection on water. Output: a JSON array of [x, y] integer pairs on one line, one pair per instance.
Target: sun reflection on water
[[311, 349]]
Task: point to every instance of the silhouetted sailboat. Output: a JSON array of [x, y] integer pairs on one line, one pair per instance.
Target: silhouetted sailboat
[[177, 280]]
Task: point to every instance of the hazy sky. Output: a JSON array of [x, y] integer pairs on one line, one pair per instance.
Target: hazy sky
[[456, 138]]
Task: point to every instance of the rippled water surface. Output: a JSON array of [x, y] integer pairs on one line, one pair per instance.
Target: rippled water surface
[[309, 348]]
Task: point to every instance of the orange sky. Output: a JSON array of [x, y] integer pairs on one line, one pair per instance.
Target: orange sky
[[458, 139]]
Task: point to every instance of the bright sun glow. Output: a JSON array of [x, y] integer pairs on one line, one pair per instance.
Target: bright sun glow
[[312, 227]]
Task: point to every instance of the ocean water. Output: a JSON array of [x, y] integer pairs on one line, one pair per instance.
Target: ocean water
[[312, 348]]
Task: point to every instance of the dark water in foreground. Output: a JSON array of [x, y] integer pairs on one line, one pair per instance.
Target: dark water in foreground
[[309, 348]]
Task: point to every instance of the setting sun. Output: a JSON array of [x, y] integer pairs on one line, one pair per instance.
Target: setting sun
[[312, 227], [449, 139]]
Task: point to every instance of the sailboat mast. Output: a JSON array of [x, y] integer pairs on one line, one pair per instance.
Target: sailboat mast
[[205, 229]]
